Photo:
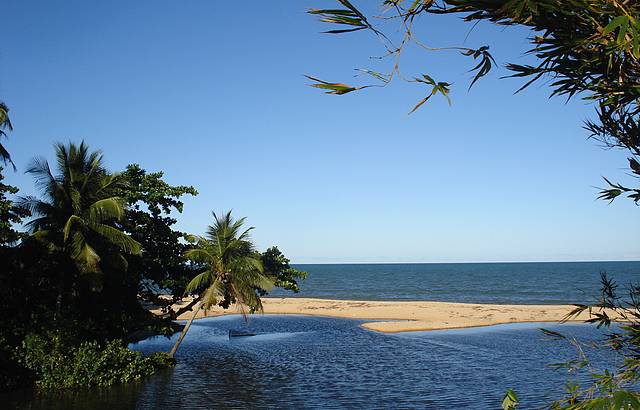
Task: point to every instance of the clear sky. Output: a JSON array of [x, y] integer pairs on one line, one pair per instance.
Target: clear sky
[[213, 93]]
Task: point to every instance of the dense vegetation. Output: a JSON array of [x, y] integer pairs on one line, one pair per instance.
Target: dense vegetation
[[586, 48], [98, 248]]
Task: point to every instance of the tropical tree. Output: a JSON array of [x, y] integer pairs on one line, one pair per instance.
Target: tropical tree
[[277, 266], [233, 270], [151, 204], [5, 125], [10, 214], [76, 213]]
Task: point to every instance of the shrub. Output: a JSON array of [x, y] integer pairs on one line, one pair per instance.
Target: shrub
[[57, 365]]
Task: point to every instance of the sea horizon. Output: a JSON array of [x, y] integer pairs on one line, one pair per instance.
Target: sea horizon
[[465, 262], [530, 283]]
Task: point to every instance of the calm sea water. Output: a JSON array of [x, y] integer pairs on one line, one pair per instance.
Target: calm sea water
[[504, 283], [299, 362]]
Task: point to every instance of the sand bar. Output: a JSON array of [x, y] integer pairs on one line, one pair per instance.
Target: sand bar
[[401, 316]]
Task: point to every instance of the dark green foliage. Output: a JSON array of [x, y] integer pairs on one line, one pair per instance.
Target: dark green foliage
[[10, 214], [77, 211], [101, 243], [277, 266], [70, 276], [233, 271], [150, 200], [57, 365]]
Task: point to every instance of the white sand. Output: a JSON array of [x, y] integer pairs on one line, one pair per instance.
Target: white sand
[[407, 316]]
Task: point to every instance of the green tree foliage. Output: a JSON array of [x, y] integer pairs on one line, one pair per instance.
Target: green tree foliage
[[70, 274], [10, 214], [614, 388], [100, 244], [58, 365], [276, 265], [79, 207], [589, 48], [149, 202], [233, 271], [233, 268]]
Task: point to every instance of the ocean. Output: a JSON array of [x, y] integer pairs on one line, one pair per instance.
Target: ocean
[[501, 283]]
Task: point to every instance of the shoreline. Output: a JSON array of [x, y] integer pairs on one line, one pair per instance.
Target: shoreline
[[405, 316]]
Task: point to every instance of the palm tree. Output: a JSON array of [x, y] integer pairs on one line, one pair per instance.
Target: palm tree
[[233, 269], [5, 125], [78, 210]]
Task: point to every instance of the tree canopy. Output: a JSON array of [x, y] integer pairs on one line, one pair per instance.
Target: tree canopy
[[78, 209], [149, 203]]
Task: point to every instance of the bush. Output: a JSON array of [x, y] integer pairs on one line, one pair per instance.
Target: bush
[[57, 365]]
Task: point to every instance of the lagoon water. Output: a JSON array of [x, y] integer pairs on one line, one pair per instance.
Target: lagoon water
[[302, 362], [313, 362], [503, 283]]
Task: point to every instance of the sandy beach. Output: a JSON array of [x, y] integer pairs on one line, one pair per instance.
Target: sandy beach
[[401, 316]]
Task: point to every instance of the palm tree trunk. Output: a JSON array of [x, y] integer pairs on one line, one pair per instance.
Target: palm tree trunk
[[185, 329]]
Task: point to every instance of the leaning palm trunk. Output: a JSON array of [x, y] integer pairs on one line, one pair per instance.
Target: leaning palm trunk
[[233, 269], [185, 329]]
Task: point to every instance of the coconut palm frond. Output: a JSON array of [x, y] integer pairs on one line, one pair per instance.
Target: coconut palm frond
[[213, 294], [199, 255], [234, 268], [111, 182], [196, 240], [79, 206], [94, 168], [44, 178], [123, 241], [5, 124], [85, 256], [74, 199], [106, 209], [246, 293], [72, 222], [245, 236], [199, 281], [4, 154], [34, 205]]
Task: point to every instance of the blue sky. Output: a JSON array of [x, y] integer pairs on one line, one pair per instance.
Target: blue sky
[[214, 95]]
